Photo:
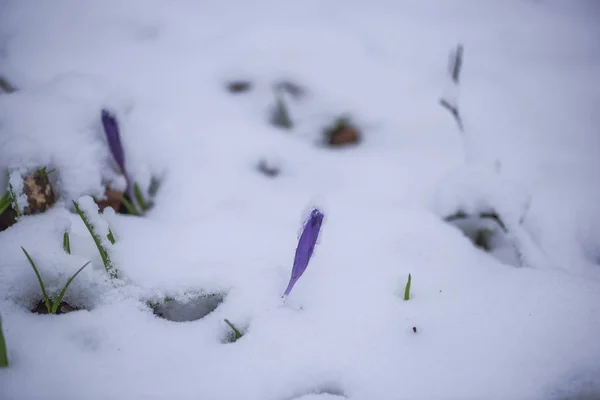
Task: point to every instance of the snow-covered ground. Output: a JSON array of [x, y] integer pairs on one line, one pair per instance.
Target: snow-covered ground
[[529, 97]]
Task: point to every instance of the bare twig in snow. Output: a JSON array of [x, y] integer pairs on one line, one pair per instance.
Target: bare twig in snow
[[455, 63], [454, 111], [454, 68]]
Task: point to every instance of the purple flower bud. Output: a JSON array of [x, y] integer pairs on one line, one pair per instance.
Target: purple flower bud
[[306, 245], [111, 129]]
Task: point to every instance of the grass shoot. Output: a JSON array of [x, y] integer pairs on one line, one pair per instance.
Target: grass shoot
[[139, 197], [66, 243], [131, 210], [101, 249], [13, 198], [3, 353], [52, 304], [235, 334], [407, 288], [5, 202]]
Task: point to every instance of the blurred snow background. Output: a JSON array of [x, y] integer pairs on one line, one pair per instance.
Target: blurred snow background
[[529, 97]]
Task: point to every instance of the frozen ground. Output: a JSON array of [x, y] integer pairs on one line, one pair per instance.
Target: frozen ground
[[485, 329]]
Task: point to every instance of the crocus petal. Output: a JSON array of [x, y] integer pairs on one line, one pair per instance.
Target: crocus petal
[[111, 129], [306, 246]]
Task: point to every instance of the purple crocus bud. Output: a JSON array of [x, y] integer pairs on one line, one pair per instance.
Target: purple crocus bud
[[111, 129], [306, 245]]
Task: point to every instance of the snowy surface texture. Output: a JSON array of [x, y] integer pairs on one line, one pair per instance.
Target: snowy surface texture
[[529, 98]]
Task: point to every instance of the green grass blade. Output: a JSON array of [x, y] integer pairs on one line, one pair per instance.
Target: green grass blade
[[57, 301], [14, 202], [407, 289], [3, 352], [129, 206], [67, 243], [5, 202], [110, 237], [103, 253], [236, 332], [137, 192], [37, 273]]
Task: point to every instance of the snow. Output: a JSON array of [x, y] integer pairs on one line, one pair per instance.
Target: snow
[[16, 187], [90, 210], [484, 328]]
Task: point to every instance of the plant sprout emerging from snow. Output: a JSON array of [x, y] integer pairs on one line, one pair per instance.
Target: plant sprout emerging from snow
[[136, 205], [8, 213], [489, 232], [407, 288], [5, 202], [111, 129], [3, 353], [66, 243], [306, 246], [482, 236], [236, 334], [112, 272], [139, 197], [51, 304], [31, 192], [13, 195]]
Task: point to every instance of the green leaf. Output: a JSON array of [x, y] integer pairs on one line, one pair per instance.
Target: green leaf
[[66, 243], [103, 253], [3, 352], [37, 273], [407, 288], [44, 171], [110, 237], [129, 206], [13, 197], [237, 334], [5, 202], [57, 301], [140, 197]]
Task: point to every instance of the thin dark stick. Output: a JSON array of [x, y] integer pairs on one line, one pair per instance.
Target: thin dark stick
[[454, 111], [456, 63], [454, 68]]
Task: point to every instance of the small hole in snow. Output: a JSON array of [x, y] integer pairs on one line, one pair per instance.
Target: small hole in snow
[[63, 308], [188, 309], [487, 231]]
